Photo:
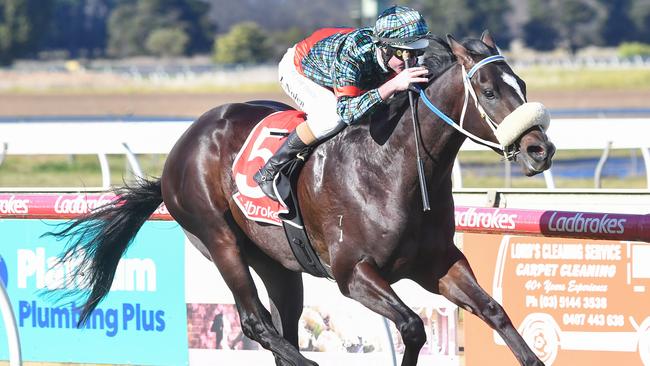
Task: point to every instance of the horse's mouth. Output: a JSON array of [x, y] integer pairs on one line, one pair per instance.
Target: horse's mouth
[[536, 158]]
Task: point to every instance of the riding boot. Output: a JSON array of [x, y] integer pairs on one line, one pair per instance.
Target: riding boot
[[288, 151]]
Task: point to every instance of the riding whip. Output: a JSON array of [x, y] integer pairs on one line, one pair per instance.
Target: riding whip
[[416, 134]]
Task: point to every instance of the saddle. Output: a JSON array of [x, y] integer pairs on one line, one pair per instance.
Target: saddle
[[265, 138]]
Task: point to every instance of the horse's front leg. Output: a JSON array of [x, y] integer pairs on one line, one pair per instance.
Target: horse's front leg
[[363, 283], [457, 282]]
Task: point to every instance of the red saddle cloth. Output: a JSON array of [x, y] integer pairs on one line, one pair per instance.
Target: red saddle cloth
[[263, 141]]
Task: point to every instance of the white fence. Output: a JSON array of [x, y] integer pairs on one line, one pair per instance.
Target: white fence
[[589, 134], [91, 138], [158, 137]]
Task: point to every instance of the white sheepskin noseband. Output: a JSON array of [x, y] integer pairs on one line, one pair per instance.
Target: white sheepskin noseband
[[521, 119]]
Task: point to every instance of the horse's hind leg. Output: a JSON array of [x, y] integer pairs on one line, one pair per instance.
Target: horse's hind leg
[[459, 285], [365, 284], [285, 295], [256, 321]]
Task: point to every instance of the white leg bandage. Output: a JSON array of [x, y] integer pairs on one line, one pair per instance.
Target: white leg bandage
[[318, 102]]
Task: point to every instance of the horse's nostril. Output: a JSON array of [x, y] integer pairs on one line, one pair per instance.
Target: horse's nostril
[[536, 152]]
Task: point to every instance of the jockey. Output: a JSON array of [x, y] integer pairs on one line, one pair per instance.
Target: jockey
[[337, 75]]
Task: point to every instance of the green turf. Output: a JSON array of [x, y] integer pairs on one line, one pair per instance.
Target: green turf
[[70, 171], [553, 78]]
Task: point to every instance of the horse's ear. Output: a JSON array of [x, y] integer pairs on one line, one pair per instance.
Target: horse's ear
[[486, 38], [460, 52]]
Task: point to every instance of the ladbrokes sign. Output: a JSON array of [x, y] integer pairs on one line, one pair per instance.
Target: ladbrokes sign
[[553, 223], [492, 219], [10, 204], [59, 205], [578, 223]]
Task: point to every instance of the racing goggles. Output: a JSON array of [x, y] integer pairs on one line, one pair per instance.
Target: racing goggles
[[399, 52]]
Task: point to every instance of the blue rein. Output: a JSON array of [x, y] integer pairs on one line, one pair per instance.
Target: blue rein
[[435, 109]]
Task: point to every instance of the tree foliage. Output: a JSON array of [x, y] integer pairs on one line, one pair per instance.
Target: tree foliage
[[167, 42], [465, 18], [564, 23], [133, 21], [632, 49], [618, 25], [246, 43], [20, 24], [279, 41], [640, 14], [78, 27], [122, 28]]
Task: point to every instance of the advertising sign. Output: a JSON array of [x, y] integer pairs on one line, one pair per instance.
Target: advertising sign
[[333, 329], [59, 205], [575, 301], [141, 321]]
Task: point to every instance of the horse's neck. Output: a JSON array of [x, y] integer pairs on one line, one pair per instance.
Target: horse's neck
[[440, 142], [388, 147]]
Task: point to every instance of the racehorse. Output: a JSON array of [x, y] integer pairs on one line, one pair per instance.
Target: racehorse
[[359, 197]]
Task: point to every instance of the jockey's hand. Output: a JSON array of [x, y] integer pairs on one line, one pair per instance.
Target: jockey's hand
[[402, 81], [409, 76]]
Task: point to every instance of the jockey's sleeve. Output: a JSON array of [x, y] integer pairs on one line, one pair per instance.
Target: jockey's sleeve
[[352, 101], [351, 109]]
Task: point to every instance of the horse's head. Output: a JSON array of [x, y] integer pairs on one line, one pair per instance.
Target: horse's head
[[505, 119]]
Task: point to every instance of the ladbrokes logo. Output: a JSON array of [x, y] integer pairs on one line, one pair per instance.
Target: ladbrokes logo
[[577, 223], [489, 220], [4, 276], [80, 204], [12, 205]]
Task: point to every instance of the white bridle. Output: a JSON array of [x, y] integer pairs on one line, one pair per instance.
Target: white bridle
[[513, 125]]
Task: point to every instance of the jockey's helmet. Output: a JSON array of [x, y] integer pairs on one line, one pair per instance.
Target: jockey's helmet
[[401, 27]]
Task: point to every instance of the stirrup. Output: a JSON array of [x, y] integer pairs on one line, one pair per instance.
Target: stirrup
[[264, 180]]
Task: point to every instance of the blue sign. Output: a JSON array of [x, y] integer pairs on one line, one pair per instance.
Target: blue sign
[[141, 321], [3, 272]]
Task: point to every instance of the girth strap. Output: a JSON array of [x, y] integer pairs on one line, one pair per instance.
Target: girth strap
[[292, 221]]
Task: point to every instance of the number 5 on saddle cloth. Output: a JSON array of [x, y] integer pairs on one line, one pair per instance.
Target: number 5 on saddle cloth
[[267, 136]]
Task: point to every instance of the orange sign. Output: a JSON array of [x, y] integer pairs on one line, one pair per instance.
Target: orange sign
[[575, 301]]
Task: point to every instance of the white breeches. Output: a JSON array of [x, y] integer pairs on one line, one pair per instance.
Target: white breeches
[[317, 102]]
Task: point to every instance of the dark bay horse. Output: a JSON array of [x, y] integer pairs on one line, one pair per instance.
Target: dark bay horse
[[360, 200]]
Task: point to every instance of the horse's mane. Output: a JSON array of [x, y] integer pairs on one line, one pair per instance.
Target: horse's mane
[[437, 57]]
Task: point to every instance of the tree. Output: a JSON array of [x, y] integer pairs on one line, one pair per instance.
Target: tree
[[21, 22], [640, 15], [279, 41], [278, 15], [618, 27], [447, 16], [132, 22], [580, 23], [127, 31], [540, 31], [568, 23], [467, 18], [245, 43], [78, 27], [167, 42]]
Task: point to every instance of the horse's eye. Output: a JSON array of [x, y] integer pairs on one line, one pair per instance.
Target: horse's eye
[[489, 93]]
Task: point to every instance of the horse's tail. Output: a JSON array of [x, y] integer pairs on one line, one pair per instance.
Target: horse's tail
[[97, 240]]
